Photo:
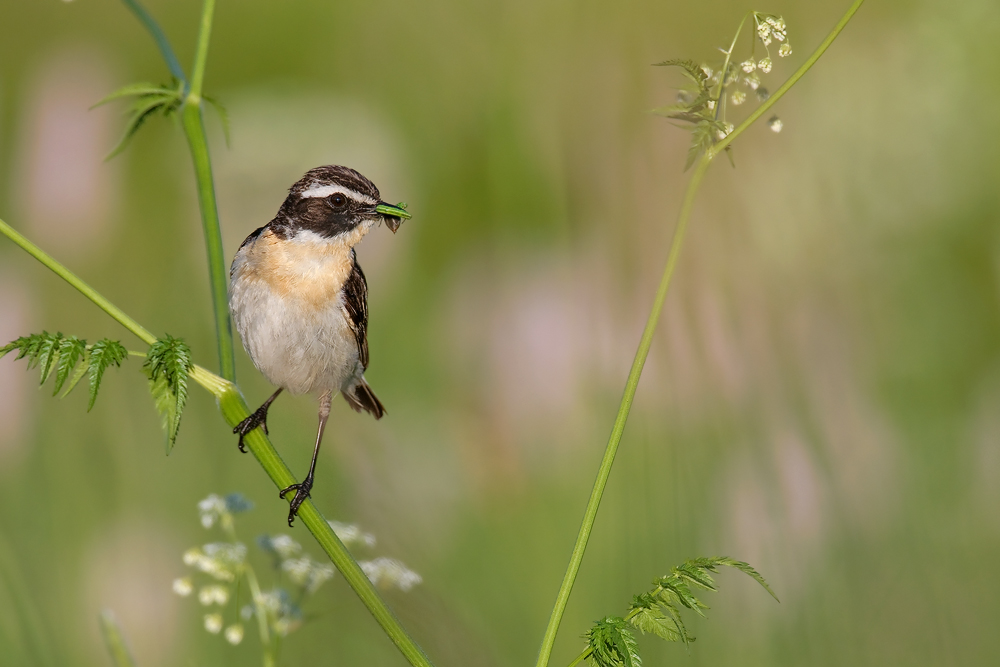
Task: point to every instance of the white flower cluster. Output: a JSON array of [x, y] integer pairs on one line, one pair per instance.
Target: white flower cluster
[[216, 509], [771, 27], [388, 572], [307, 573], [350, 534], [221, 560]]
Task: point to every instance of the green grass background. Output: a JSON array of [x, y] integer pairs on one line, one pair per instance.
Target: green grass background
[[821, 399]]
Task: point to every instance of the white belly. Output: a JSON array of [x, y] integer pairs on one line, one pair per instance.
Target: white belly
[[298, 338]]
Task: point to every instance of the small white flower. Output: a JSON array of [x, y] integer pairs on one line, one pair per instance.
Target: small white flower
[[192, 556], [213, 595], [285, 546], [387, 572], [778, 36], [738, 98], [710, 105], [213, 623], [183, 586], [211, 509], [748, 65], [765, 65], [708, 71], [775, 124], [763, 30], [351, 534], [234, 634], [753, 81], [766, 39], [246, 613], [785, 50]]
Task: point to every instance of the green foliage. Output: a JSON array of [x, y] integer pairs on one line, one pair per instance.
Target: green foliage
[[658, 612], [612, 644], [149, 99], [167, 365], [62, 354]]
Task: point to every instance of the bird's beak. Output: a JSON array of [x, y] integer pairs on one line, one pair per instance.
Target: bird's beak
[[394, 215]]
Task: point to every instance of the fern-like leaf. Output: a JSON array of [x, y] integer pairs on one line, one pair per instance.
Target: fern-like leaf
[[167, 365], [103, 353], [62, 354], [647, 615], [71, 350], [612, 644]]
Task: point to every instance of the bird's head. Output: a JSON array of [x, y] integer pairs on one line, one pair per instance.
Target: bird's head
[[334, 200]]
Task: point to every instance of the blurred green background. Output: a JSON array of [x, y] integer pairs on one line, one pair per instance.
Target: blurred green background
[[822, 398]]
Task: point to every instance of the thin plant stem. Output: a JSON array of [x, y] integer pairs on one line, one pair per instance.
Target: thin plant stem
[[74, 280], [193, 122], [159, 37], [623, 411], [590, 515], [725, 66]]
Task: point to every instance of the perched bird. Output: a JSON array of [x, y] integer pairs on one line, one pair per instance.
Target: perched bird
[[300, 301]]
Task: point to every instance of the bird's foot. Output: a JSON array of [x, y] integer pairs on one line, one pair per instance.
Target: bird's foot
[[257, 418], [301, 493]]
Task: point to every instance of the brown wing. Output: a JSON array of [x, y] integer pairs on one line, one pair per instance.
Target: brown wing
[[356, 305]]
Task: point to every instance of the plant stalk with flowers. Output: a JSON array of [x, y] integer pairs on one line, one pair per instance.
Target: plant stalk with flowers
[[225, 566], [168, 362]]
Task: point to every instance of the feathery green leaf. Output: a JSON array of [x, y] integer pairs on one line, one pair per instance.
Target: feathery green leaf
[[103, 353], [612, 644], [167, 365], [63, 354], [71, 350]]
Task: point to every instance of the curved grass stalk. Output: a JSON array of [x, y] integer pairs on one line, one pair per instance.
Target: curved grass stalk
[[590, 515], [234, 409]]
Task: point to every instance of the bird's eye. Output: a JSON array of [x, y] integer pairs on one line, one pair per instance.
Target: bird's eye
[[338, 200]]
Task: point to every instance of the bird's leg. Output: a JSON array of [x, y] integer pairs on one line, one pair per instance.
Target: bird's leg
[[257, 418], [302, 489]]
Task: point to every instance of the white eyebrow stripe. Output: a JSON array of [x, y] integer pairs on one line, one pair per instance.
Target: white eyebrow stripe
[[327, 190]]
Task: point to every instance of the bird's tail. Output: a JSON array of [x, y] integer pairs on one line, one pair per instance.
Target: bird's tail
[[361, 397]]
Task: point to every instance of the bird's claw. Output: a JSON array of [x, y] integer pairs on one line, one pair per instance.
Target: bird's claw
[[301, 493], [257, 418]]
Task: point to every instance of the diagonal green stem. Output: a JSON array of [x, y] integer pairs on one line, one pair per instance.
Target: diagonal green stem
[[619, 427], [590, 515], [158, 36], [74, 280]]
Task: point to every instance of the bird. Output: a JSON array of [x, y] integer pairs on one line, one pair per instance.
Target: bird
[[299, 299]]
